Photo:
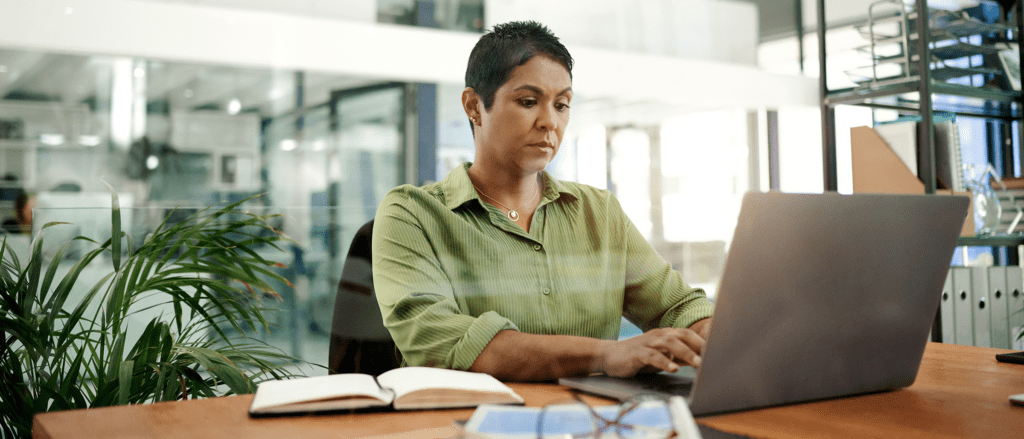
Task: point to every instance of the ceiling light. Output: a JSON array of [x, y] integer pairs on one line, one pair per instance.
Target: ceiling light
[[140, 72], [88, 140], [152, 162], [234, 106], [69, 10], [51, 139], [288, 145]]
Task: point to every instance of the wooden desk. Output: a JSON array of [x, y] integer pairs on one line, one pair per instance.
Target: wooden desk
[[960, 391]]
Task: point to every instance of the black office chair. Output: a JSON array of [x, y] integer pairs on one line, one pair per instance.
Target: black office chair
[[359, 341]]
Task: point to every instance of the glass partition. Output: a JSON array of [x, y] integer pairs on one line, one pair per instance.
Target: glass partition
[[325, 148], [300, 311], [300, 318], [178, 133], [173, 137]]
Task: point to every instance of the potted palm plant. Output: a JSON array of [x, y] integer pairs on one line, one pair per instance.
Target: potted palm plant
[[60, 354]]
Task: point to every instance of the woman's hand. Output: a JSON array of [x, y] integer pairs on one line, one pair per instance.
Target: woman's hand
[[515, 356], [702, 327], [657, 349]]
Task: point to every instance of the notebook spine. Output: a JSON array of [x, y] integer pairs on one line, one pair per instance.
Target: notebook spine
[[956, 161]]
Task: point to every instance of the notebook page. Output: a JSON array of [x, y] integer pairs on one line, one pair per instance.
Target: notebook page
[[284, 392], [406, 380]]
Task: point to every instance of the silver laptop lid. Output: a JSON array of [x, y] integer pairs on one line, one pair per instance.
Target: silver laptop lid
[[826, 295]]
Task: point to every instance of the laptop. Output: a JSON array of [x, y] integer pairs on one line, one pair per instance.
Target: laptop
[[823, 296]]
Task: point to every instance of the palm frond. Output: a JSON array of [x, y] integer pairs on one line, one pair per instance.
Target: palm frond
[[207, 272]]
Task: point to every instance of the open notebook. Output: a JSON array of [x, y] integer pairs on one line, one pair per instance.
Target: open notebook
[[406, 388]]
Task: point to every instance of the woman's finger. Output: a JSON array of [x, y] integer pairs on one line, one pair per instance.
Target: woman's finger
[[682, 353], [660, 360], [677, 341]]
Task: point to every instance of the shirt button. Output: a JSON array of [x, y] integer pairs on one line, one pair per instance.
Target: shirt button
[[536, 247], [546, 291]]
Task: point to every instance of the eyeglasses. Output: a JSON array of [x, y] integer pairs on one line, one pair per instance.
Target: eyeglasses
[[640, 417]]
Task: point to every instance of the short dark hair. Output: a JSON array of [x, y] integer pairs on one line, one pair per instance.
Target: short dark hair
[[507, 46]]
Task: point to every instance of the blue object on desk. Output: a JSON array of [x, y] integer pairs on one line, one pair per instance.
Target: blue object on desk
[[522, 421]]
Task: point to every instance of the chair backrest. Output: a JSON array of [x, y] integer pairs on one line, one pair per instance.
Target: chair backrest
[[359, 341]]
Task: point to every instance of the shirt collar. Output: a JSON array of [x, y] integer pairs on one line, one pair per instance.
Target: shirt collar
[[457, 189]]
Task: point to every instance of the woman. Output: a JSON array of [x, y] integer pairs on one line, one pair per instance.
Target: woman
[[24, 203], [500, 268]]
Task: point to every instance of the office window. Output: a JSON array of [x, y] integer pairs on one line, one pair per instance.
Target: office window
[[322, 149], [630, 161], [454, 138], [705, 166], [800, 163], [592, 156], [705, 171]]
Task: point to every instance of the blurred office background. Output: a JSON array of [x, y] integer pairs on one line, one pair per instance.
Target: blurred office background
[[681, 107]]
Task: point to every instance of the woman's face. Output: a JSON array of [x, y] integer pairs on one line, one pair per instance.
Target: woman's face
[[523, 129]]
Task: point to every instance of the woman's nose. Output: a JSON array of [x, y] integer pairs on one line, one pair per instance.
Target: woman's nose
[[547, 120]]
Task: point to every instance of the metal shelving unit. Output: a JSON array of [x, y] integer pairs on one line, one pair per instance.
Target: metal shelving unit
[[916, 93], [990, 241], [923, 94], [904, 96]]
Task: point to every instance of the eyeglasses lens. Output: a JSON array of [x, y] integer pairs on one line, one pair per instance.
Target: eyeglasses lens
[[566, 421]]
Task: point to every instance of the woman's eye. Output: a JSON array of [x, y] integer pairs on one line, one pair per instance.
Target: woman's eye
[[562, 107], [527, 102]]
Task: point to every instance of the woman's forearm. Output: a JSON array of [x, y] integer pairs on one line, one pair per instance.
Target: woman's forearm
[[516, 356]]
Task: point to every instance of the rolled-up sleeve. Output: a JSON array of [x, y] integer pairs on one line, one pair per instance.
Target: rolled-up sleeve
[[415, 295]]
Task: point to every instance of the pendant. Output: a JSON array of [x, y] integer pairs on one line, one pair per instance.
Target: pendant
[[513, 215]]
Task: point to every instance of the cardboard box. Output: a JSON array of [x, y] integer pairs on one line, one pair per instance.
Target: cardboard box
[[878, 170]]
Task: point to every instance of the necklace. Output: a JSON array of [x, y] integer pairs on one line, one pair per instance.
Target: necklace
[[512, 213]]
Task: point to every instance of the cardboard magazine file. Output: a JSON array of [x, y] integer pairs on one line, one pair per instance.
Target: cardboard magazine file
[[878, 170]]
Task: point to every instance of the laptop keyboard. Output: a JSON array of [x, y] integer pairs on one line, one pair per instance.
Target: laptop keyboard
[[665, 383]]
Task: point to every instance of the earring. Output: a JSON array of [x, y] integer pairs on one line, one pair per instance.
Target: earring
[[473, 119]]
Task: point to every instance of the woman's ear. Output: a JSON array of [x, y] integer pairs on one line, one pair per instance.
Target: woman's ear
[[471, 105]]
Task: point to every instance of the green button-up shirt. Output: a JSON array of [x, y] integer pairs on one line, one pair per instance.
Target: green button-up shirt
[[450, 271]]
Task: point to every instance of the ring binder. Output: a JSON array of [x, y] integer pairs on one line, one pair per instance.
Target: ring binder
[[997, 297], [980, 307]]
